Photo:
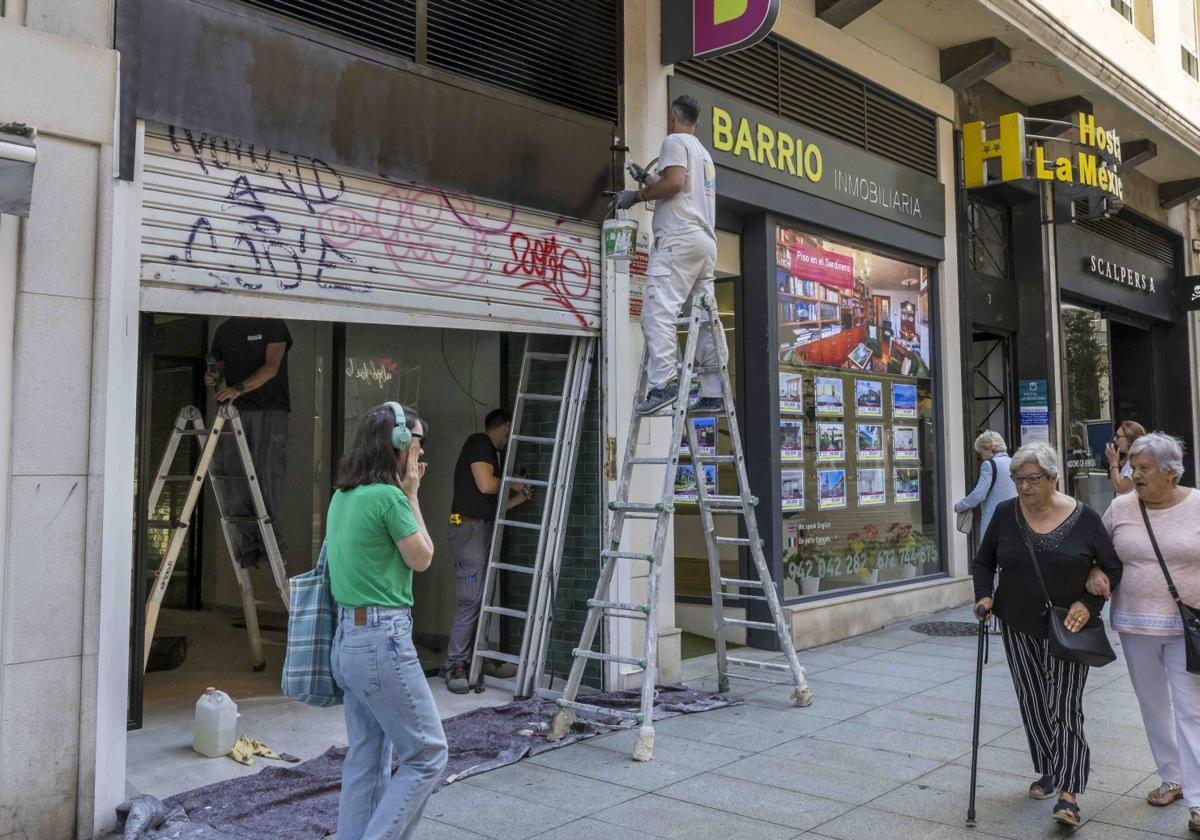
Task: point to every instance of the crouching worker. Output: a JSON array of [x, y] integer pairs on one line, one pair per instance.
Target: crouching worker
[[376, 539]]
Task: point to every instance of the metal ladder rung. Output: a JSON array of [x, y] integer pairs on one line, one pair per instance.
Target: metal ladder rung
[[266, 520], [521, 614], [162, 523], [781, 667], [542, 397], [203, 432], [547, 357], [662, 462], [739, 582], [512, 523], [714, 459], [754, 625], [728, 502], [762, 680], [564, 703], [513, 567], [617, 605], [532, 482], [735, 541], [743, 597], [497, 655], [544, 441], [648, 517], [627, 555], [608, 657], [642, 507], [178, 478]]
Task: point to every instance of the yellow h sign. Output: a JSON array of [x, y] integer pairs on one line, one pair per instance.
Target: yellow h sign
[[1008, 145]]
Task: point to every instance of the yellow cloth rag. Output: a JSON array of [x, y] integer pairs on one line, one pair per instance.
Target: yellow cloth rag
[[244, 750]]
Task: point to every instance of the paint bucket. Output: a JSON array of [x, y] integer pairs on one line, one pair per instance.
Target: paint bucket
[[620, 239]]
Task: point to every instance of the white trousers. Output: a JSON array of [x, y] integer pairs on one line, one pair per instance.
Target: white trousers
[[680, 267], [1170, 701]]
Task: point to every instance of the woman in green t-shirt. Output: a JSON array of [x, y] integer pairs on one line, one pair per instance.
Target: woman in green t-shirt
[[376, 539]]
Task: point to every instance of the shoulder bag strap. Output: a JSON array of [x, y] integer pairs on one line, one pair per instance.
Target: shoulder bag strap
[[1158, 553], [1024, 529], [992, 484]]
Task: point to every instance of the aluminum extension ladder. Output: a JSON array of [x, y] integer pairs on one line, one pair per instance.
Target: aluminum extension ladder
[[536, 365], [190, 423], [703, 315]]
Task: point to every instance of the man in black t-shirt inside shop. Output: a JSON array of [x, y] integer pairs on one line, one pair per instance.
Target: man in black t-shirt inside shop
[[476, 486], [250, 355]]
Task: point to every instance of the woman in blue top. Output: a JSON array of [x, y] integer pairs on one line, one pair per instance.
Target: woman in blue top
[[994, 484], [376, 539]]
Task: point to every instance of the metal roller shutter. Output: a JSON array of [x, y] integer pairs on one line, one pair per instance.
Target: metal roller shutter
[[266, 231]]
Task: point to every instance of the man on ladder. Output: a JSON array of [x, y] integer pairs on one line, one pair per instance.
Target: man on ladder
[[683, 257], [476, 487]]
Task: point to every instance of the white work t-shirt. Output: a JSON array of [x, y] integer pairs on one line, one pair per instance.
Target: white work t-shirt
[[694, 208]]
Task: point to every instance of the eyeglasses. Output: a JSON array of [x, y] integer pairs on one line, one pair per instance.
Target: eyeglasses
[[1028, 479]]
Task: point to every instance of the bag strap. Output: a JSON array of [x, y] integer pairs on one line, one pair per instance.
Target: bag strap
[[1024, 529], [322, 567], [991, 461], [1158, 553]]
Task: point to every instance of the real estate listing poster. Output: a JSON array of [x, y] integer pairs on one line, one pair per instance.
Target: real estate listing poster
[[831, 489], [868, 398], [904, 400], [831, 442], [791, 439], [870, 441], [706, 436], [907, 484], [791, 391], [904, 443], [828, 395], [793, 489], [872, 487], [685, 482]]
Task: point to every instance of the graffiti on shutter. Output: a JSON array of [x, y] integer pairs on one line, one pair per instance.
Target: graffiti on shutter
[[228, 217]]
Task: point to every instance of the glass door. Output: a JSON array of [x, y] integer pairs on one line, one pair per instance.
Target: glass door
[[1087, 367]]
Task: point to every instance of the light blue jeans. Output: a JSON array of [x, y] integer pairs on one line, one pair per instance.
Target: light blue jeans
[[388, 706]]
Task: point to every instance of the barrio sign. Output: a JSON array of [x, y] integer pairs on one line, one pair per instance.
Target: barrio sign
[[752, 140], [709, 28], [1092, 163]]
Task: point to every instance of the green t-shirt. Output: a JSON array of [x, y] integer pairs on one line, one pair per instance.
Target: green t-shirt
[[365, 567]]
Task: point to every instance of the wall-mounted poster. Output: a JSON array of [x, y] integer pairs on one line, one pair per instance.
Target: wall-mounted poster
[[831, 442], [706, 436], [685, 482], [793, 489], [791, 391], [872, 487], [791, 439], [904, 443], [904, 400], [868, 398], [831, 489], [907, 484], [870, 442], [828, 395]]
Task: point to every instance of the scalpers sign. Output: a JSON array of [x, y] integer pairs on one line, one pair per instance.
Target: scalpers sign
[[1094, 164], [708, 28], [1109, 270], [754, 141]]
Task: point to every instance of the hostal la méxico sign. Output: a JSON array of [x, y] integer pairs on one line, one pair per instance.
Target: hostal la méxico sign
[[1092, 164]]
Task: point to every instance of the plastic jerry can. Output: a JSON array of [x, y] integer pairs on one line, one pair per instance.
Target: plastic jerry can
[[214, 729]]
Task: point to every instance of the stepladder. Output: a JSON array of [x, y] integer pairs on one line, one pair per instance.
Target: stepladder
[[757, 589], [547, 420], [226, 430]]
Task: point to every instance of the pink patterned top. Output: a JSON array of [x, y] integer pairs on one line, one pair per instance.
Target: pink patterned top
[[1142, 603]]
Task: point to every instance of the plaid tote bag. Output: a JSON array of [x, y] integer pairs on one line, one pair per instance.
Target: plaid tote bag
[[312, 619]]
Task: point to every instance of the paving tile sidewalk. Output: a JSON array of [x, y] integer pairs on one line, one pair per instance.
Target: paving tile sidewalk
[[883, 752]]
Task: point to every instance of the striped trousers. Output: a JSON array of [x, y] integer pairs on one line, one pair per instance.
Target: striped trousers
[[1050, 693]]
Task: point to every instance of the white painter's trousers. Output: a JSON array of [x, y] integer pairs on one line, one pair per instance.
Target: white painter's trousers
[[1169, 698], [680, 266]]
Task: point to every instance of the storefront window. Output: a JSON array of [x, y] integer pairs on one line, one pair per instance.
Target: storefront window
[[856, 425], [1085, 341]]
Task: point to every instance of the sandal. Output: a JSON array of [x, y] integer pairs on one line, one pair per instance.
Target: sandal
[[1194, 820], [1164, 794], [1043, 788], [1067, 812]]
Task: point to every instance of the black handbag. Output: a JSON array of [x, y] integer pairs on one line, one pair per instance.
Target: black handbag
[[1087, 646], [1190, 615]]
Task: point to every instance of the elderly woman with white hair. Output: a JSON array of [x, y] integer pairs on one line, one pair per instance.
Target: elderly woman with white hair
[[1068, 538], [1147, 618], [994, 484]]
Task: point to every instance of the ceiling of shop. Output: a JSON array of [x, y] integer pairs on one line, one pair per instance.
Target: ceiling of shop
[[1035, 74]]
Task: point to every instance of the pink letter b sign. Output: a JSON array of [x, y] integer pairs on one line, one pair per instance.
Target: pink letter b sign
[[708, 28]]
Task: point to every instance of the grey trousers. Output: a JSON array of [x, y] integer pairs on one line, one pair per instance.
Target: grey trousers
[[266, 437], [469, 543]]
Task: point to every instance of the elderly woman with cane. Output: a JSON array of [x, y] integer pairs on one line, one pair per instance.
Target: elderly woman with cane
[[1045, 543], [1156, 532]]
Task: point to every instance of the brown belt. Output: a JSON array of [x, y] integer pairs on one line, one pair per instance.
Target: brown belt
[[360, 616]]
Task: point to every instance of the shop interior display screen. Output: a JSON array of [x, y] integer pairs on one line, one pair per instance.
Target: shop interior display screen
[[855, 414]]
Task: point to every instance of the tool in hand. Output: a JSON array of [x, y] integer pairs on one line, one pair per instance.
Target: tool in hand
[[981, 613]]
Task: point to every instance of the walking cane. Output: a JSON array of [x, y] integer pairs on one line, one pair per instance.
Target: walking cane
[[981, 613]]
